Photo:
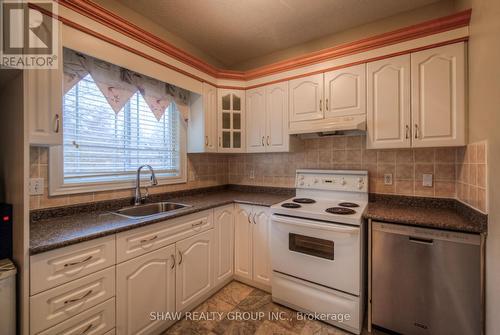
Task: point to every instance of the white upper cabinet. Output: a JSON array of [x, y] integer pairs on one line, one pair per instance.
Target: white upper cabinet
[[388, 103], [267, 118], [438, 96], [231, 120], [256, 119], [43, 92], [202, 125], [306, 98], [277, 137], [345, 91]]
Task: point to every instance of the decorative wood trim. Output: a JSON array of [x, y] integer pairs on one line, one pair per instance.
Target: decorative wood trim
[[119, 24]]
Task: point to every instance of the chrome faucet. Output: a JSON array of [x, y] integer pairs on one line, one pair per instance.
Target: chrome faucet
[[138, 197]]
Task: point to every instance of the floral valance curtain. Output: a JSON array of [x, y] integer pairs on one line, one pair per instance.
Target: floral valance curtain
[[118, 85]]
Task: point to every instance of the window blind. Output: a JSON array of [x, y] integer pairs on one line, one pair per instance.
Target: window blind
[[101, 145]]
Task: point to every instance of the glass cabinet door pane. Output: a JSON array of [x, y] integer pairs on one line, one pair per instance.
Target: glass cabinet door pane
[[236, 103], [236, 139], [226, 102], [226, 120], [226, 139], [236, 121]]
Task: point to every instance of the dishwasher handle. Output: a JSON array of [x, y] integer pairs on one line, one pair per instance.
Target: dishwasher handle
[[420, 240]]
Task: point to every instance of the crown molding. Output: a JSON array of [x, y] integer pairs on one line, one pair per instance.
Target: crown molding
[[121, 25]]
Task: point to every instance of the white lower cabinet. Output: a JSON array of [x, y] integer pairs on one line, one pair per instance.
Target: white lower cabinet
[[224, 244], [195, 266], [252, 259], [145, 284]]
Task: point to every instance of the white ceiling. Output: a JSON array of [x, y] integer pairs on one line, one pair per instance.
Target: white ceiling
[[234, 31]]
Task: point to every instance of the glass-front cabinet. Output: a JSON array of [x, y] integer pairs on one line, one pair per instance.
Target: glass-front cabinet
[[231, 118]]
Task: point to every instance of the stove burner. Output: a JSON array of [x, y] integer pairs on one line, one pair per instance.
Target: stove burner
[[340, 210], [290, 205], [304, 200], [348, 204]]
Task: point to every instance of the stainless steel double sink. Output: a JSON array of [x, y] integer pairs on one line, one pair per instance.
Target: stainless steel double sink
[[153, 209]]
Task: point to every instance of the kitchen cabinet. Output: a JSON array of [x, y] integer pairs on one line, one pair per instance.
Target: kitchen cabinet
[[231, 120], [194, 272], [417, 100], [43, 96], [306, 98], [252, 250], [388, 103], [438, 96], [345, 91], [143, 285], [224, 244], [202, 125], [256, 119], [267, 118]]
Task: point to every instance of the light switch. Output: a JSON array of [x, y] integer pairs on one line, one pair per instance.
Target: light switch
[[427, 180], [36, 186], [388, 179]]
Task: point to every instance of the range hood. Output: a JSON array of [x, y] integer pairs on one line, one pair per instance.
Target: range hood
[[330, 125]]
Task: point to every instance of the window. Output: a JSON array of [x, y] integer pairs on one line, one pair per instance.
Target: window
[[103, 149]]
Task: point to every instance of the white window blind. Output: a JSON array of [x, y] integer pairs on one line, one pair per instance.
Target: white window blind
[[102, 146]]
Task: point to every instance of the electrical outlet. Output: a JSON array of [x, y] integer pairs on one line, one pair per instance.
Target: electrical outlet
[[252, 174], [388, 179], [36, 186], [427, 180]]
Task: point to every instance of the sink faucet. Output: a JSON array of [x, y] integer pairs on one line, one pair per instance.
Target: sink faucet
[[138, 197]]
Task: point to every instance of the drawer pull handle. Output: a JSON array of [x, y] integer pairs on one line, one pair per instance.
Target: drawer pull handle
[[180, 256], [78, 299], [197, 224], [268, 141], [421, 240], [149, 239], [85, 331], [79, 262], [173, 261], [57, 122]]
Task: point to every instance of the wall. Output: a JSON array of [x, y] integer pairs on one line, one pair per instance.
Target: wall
[[203, 170], [484, 120], [429, 12], [348, 152], [472, 175]]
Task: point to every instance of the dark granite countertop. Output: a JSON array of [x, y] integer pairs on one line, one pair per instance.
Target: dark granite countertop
[[447, 214], [59, 227]]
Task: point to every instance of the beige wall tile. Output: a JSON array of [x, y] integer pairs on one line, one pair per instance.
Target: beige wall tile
[[386, 156], [481, 175], [404, 187], [405, 171], [445, 189], [423, 168], [445, 171], [445, 155], [423, 190], [424, 155]]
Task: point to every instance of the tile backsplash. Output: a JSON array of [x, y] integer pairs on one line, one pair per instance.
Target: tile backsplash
[[458, 172], [203, 170]]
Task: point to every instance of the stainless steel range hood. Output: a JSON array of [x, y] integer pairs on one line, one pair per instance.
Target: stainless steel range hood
[[330, 125]]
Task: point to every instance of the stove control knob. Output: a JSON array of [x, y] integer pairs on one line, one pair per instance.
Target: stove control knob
[[301, 178], [343, 182], [360, 180], [360, 186], [301, 183], [316, 180]]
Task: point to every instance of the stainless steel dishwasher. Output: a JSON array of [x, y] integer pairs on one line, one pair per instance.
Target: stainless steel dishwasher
[[425, 281]]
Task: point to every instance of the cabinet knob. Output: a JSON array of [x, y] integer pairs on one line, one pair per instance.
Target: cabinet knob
[[268, 141], [56, 123], [262, 140], [407, 132], [326, 103]]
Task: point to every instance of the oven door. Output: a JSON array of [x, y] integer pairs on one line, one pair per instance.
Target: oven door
[[323, 253]]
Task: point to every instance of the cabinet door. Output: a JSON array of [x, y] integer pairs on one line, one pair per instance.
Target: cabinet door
[[243, 241], [256, 119], [388, 99], [195, 266], [345, 91], [261, 246], [438, 96], [143, 285], [43, 99], [210, 108], [306, 98], [231, 120], [224, 243], [277, 138]]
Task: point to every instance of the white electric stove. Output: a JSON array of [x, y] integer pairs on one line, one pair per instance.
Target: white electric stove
[[317, 246]]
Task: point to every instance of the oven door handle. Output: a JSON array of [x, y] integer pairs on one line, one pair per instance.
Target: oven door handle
[[312, 224]]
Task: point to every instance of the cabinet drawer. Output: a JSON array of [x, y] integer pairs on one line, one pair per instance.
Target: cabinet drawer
[[63, 302], [95, 321], [139, 241], [60, 266]]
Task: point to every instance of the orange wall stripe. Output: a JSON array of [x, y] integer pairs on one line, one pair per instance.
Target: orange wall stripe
[[119, 24]]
